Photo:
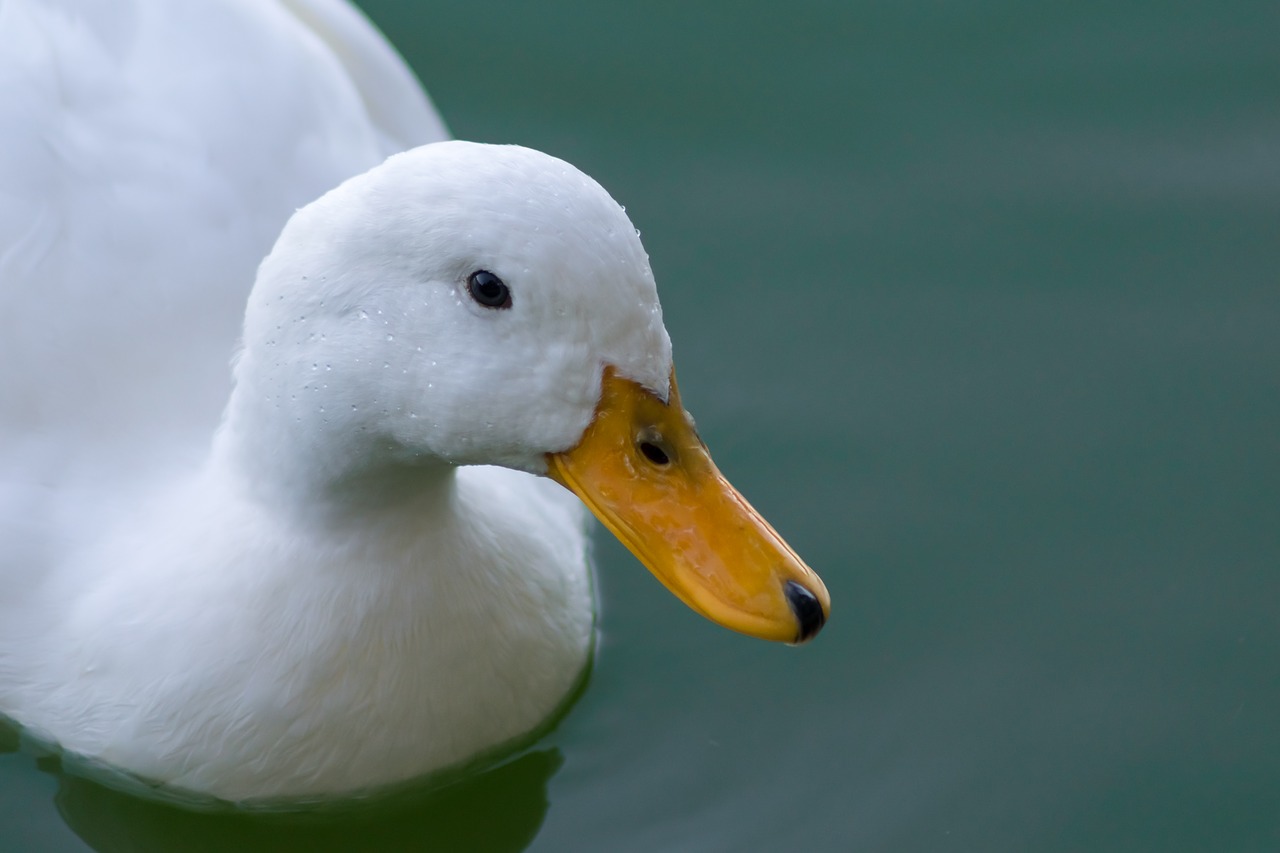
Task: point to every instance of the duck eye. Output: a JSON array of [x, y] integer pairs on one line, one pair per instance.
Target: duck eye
[[489, 290]]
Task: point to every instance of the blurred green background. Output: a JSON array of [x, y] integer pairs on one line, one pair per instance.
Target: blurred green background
[[979, 304]]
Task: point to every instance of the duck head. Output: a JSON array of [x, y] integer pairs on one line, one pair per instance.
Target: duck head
[[476, 304]]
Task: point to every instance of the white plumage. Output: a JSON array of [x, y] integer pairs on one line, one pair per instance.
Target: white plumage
[[312, 579], [308, 599]]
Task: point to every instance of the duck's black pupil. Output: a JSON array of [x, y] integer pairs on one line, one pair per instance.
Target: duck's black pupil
[[654, 453], [487, 289]]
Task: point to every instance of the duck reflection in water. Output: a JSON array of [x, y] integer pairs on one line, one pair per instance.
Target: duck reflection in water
[[500, 809]]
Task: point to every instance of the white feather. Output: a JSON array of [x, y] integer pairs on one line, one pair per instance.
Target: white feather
[[310, 599]]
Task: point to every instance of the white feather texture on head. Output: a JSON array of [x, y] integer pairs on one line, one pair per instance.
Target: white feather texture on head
[[363, 347]]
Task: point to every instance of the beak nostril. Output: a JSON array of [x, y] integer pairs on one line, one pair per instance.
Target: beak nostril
[[654, 453], [807, 609]]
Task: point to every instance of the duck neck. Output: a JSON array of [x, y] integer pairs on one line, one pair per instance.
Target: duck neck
[[321, 468]]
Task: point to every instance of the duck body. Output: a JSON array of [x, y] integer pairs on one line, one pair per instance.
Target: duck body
[[156, 614], [250, 655], [349, 566]]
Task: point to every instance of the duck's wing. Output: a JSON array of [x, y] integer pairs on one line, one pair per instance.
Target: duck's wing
[[399, 108], [150, 152]]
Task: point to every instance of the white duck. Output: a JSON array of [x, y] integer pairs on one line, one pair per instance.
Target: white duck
[[320, 599]]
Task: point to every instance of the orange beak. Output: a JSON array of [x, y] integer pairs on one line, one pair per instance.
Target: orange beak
[[645, 473]]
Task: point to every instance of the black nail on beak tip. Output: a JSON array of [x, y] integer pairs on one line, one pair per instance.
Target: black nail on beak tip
[[808, 611]]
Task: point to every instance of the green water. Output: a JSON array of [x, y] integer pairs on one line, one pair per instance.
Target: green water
[[979, 303]]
